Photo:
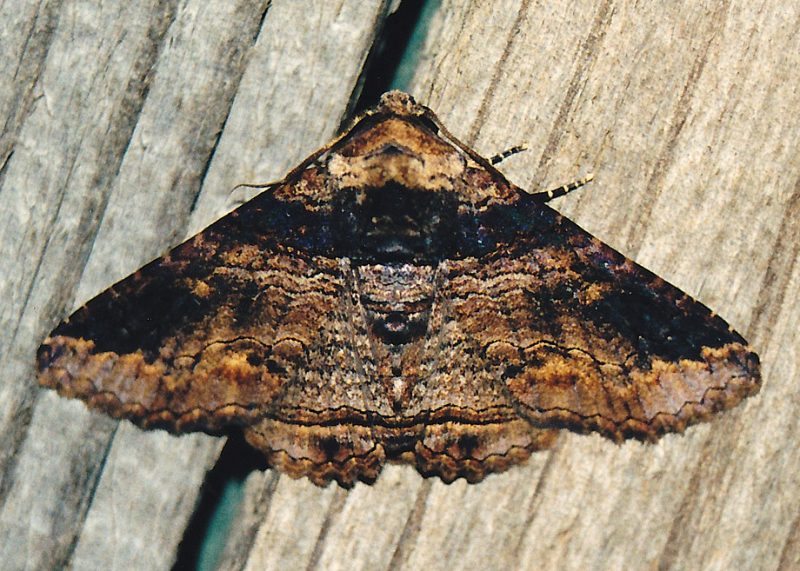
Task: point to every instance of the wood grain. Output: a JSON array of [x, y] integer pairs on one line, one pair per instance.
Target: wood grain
[[126, 127]]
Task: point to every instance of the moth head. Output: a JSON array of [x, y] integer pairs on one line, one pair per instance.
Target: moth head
[[401, 104], [396, 151]]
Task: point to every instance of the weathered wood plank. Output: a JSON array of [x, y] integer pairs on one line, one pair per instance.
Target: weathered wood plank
[[134, 120], [67, 148]]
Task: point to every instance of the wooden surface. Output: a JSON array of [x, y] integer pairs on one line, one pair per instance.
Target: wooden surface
[[125, 127]]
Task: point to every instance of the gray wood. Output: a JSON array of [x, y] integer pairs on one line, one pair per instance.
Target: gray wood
[[126, 129]]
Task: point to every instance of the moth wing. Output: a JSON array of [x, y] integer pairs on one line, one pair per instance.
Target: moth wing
[[207, 335], [586, 339]]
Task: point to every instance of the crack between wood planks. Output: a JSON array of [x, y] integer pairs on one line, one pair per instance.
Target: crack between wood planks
[[381, 65]]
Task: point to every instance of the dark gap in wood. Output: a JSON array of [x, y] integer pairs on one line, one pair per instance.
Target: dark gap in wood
[[387, 53], [236, 461]]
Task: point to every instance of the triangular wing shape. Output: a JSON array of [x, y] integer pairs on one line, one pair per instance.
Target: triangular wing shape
[[586, 339], [213, 332]]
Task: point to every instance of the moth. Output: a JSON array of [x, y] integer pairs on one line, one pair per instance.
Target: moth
[[395, 298]]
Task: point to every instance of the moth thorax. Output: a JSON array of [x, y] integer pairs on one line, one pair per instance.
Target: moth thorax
[[392, 223]]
